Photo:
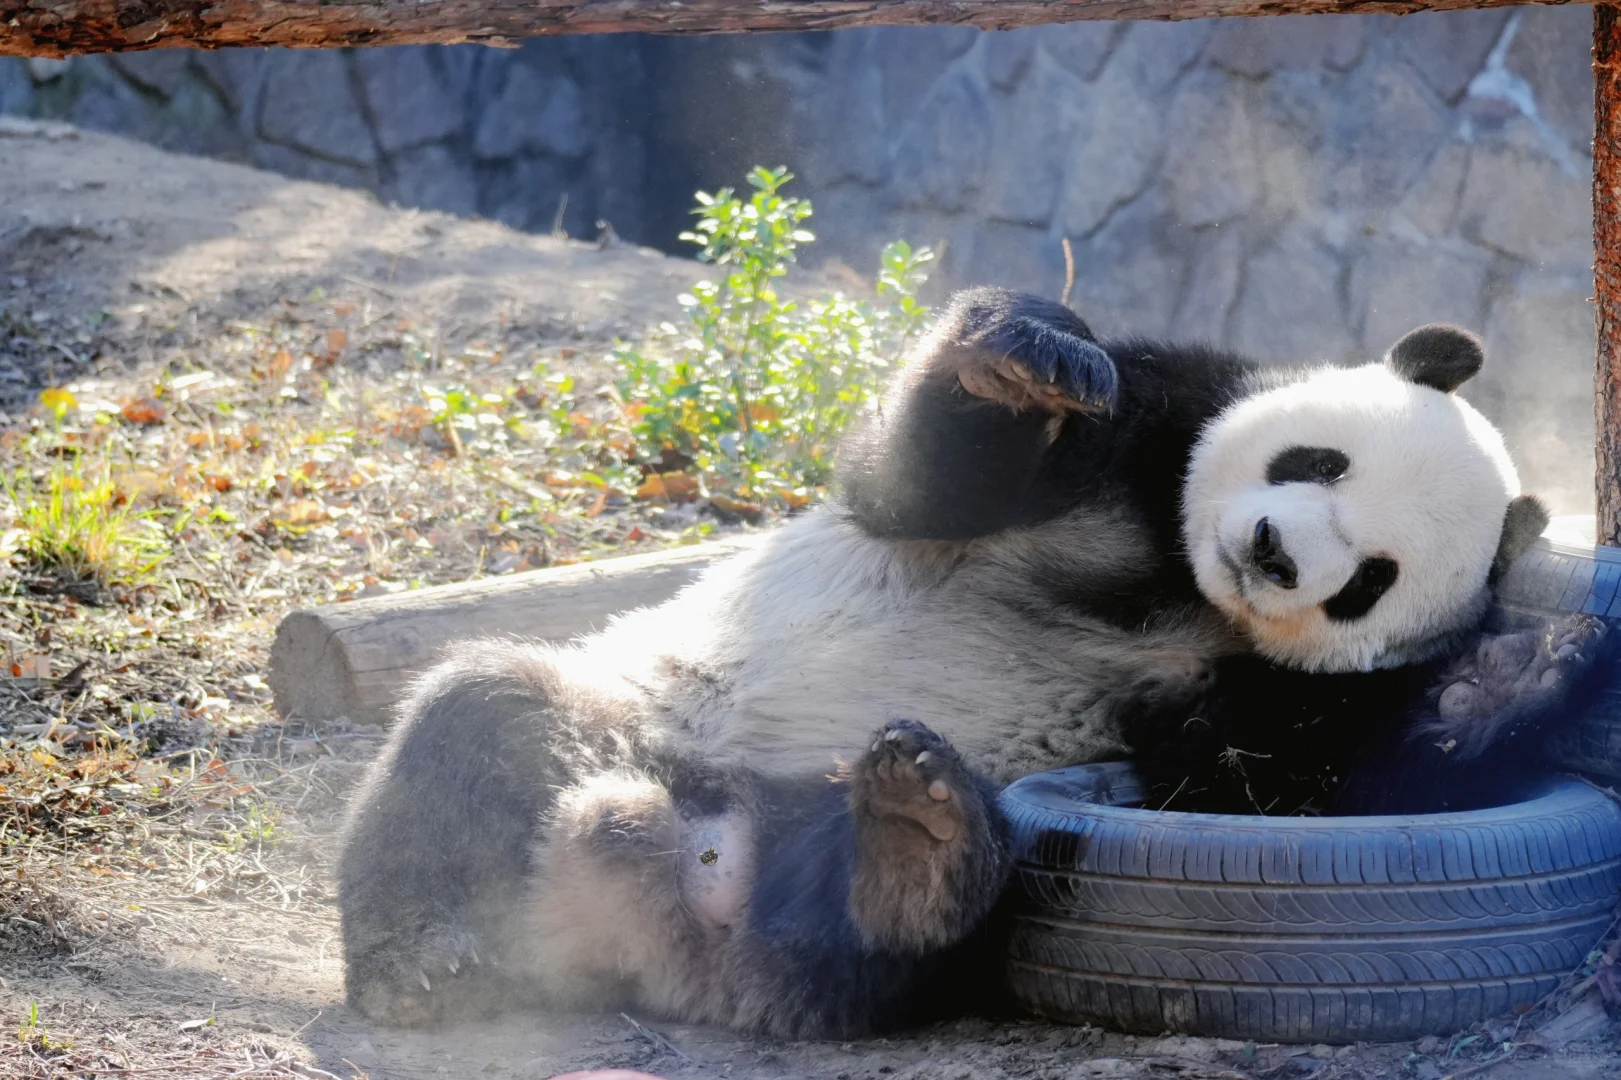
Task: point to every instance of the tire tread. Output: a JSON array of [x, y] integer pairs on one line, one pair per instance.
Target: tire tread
[[1320, 930]]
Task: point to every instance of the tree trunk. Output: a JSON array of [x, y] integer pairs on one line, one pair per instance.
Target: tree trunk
[[1607, 268], [55, 28]]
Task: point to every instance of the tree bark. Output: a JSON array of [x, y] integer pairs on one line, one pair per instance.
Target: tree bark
[[1607, 268], [56, 28]]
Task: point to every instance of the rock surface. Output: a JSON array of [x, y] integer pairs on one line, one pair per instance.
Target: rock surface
[[1300, 187]]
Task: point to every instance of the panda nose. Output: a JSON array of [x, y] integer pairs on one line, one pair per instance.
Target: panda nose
[[1268, 556]]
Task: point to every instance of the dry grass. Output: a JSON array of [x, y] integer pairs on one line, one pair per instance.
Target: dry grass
[[156, 525]]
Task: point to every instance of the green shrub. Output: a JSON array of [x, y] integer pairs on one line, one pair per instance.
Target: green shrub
[[754, 388]]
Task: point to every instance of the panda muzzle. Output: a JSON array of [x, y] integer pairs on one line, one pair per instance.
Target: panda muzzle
[[1267, 556]]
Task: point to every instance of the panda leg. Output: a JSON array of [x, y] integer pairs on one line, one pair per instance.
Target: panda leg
[[811, 907], [437, 852], [637, 895], [871, 897], [931, 853]]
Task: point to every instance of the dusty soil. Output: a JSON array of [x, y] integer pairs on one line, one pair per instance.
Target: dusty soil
[[221, 957]]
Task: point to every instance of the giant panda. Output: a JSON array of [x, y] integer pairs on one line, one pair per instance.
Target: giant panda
[[770, 802]]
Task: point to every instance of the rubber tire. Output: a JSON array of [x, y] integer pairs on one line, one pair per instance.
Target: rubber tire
[[1316, 930], [1553, 578]]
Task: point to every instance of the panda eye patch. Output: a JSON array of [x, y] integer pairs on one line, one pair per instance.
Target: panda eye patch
[[1307, 465]]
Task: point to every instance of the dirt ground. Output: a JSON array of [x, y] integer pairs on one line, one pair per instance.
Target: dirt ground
[[121, 258]]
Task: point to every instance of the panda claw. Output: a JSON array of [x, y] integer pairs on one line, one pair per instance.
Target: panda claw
[[893, 735], [422, 976], [454, 967], [923, 758], [472, 954]]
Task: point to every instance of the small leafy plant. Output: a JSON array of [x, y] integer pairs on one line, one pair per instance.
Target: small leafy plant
[[33, 1034], [73, 522], [753, 388]]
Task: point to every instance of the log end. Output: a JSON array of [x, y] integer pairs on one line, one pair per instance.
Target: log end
[[310, 674]]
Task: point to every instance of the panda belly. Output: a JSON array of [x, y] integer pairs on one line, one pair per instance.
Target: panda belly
[[789, 659]]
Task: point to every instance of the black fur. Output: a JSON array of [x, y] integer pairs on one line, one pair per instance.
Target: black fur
[[1523, 522], [941, 464], [1373, 578], [1271, 740], [1438, 356], [1307, 465], [1265, 738], [834, 980]]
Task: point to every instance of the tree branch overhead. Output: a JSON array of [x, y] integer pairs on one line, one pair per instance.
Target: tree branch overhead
[[57, 28]]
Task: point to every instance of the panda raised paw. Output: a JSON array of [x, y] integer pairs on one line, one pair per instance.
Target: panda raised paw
[[931, 849], [1032, 354], [1511, 673], [913, 774]]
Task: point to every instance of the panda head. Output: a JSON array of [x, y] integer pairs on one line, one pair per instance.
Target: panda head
[[1353, 518]]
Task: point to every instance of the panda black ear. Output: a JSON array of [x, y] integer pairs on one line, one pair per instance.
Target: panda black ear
[[1439, 356], [1522, 524]]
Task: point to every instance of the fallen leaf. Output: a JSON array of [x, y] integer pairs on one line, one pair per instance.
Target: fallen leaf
[[304, 512], [139, 482], [335, 341], [599, 505], [675, 486], [31, 667], [740, 507], [144, 410], [681, 487]]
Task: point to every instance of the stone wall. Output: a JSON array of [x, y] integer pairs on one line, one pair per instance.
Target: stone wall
[[1296, 187], [502, 133]]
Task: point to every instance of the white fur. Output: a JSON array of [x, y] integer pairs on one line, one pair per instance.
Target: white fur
[[800, 649], [1428, 485]]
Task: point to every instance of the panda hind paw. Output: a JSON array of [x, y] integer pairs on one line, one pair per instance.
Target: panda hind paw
[[443, 975], [911, 773]]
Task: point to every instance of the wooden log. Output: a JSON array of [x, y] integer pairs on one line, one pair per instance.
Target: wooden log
[[1607, 268], [352, 660], [56, 28]]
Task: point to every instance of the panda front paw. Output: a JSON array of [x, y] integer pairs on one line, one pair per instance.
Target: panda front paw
[[1031, 354], [1511, 677]]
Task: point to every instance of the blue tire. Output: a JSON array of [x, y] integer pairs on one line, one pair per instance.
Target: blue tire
[[1316, 930]]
